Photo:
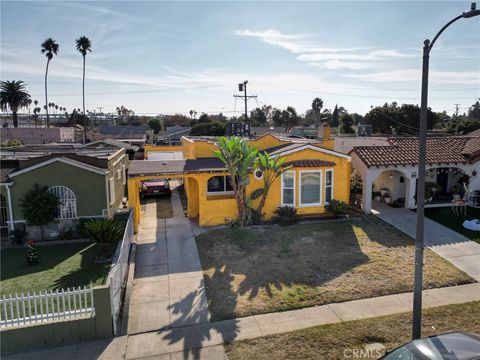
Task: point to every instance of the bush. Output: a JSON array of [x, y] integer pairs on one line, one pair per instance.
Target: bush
[[337, 207], [106, 232], [286, 215]]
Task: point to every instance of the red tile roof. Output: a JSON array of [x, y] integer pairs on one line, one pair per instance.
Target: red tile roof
[[404, 151], [309, 163]]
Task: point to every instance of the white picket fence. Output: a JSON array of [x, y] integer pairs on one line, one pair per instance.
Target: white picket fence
[[46, 306]]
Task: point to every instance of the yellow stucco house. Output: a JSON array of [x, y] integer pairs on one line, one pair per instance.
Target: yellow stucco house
[[317, 175]]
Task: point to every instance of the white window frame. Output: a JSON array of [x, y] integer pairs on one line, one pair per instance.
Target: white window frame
[[111, 190], [64, 193], [119, 174], [294, 188], [216, 193], [331, 186], [300, 189]]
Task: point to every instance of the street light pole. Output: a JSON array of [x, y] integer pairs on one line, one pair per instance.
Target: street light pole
[[419, 241]]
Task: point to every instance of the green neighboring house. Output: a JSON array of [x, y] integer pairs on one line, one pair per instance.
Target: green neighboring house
[[88, 182]]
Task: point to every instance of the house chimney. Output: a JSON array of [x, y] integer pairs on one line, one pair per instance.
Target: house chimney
[[324, 131]]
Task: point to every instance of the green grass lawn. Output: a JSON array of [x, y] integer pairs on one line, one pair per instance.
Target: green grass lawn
[[445, 217], [337, 341], [60, 266]]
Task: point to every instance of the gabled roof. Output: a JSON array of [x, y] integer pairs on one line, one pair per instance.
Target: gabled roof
[[63, 160], [292, 148], [112, 143], [404, 151]]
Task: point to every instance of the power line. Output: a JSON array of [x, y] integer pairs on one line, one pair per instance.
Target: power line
[[243, 87]]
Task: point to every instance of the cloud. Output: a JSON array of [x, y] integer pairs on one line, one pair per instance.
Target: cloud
[[331, 58], [414, 75]]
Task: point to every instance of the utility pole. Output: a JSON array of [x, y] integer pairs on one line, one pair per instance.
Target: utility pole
[[456, 110], [419, 239], [243, 87]]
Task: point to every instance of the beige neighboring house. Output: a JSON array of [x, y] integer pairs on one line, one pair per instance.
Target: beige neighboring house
[[39, 135], [346, 143]]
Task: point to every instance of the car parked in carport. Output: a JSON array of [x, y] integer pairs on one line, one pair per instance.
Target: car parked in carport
[[155, 188]]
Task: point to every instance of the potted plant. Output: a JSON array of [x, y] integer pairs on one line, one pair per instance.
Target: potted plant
[[387, 199], [384, 191]]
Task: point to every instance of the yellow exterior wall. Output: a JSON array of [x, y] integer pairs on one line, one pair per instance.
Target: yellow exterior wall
[[215, 209]]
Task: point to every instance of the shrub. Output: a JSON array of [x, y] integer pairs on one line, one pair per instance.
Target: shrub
[[337, 207], [286, 215], [105, 232]]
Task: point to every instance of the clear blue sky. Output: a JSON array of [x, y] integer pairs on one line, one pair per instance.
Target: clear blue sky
[[166, 57]]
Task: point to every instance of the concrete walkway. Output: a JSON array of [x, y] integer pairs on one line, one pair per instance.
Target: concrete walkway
[[452, 246], [168, 288]]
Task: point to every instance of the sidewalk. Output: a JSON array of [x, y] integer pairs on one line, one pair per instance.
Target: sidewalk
[[204, 341], [452, 246], [217, 333]]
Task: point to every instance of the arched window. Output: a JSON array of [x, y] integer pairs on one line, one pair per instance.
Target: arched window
[[67, 202]]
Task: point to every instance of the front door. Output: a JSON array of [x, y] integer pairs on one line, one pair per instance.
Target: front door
[[442, 181]]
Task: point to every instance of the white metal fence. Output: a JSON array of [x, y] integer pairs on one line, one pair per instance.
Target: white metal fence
[[46, 306], [118, 273]]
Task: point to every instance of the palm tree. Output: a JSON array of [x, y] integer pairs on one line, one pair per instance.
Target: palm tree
[[13, 96], [49, 48], [317, 105], [83, 46]]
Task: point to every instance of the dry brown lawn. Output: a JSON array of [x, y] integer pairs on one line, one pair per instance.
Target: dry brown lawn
[[274, 268], [337, 341]]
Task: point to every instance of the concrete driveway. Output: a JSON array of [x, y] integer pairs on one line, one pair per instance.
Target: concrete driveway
[[452, 246]]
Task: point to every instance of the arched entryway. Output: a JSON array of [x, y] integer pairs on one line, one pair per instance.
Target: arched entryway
[[390, 187]]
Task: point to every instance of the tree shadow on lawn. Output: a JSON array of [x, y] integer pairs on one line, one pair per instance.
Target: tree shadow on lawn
[[88, 273], [272, 268], [275, 268], [14, 260]]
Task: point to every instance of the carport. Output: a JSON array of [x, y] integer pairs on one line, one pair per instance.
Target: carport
[[195, 174]]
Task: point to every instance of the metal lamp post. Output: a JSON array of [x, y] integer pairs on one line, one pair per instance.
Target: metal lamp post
[[419, 242]]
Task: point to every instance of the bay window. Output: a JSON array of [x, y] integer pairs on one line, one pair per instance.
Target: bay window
[[288, 188], [328, 186], [310, 187]]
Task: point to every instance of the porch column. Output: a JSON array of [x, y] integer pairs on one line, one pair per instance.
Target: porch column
[[10, 207], [367, 192], [410, 189]]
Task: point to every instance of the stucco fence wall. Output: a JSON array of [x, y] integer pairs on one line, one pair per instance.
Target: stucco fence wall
[[22, 338]]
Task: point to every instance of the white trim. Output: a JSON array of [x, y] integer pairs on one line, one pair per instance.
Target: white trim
[[300, 189], [294, 188], [314, 148], [111, 190], [63, 160], [124, 174], [64, 193], [118, 160], [333, 184], [116, 153], [107, 192], [10, 208]]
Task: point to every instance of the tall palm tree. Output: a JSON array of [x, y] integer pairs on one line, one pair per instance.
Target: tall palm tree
[[13, 96], [49, 48], [317, 105], [83, 46]]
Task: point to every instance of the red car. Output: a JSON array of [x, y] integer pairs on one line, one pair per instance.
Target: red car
[[155, 187]]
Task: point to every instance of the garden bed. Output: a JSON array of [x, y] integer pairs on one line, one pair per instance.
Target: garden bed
[[274, 268]]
